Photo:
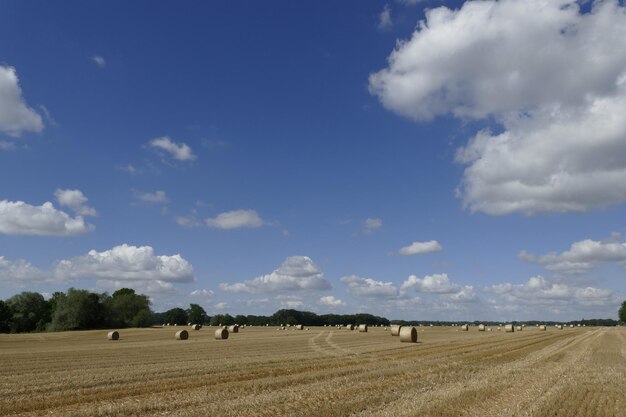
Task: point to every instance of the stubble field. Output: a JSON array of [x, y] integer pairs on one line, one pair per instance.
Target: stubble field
[[316, 372]]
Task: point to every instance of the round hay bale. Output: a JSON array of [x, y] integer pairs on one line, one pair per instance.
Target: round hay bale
[[464, 327], [395, 329], [188, 324], [519, 328], [196, 327], [363, 328], [481, 327], [299, 327], [182, 335], [499, 328], [234, 328], [221, 334], [509, 328], [488, 329], [560, 327], [542, 327], [350, 326], [408, 334], [114, 335]]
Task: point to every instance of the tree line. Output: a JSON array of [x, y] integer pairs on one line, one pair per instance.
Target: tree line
[[82, 310]]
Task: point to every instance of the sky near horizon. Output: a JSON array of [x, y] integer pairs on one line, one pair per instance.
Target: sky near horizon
[[413, 159]]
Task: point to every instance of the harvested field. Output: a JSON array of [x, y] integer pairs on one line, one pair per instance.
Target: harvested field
[[322, 372]]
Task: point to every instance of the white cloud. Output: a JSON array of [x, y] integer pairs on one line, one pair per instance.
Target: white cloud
[[331, 300], [554, 80], [6, 146], [18, 272], [436, 283], [203, 293], [153, 288], [369, 288], [581, 257], [126, 263], [418, 248], [155, 197], [384, 19], [15, 115], [20, 218], [99, 61], [178, 151], [297, 273], [371, 224], [236, 219], [75, 200]]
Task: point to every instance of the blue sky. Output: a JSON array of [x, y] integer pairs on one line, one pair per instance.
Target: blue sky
[[419, 160]]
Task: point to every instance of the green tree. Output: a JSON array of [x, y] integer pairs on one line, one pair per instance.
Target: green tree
[[126, 308], [29, 312], [223, 319], [176, 316], [5, 317], [622, 313], [196, 314], [78, 310]]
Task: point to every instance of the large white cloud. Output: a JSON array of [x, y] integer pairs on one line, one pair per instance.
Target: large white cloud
[[331, 301], [20, 218], [581, 257], [553, 78], [297, 273], [75, 200], [178, 151], [236, 219], [369, 288], [126, 263], [15, 115], [418, 248]]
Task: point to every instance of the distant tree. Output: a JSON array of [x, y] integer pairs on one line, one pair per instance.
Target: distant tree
[[176, 316], [223, 319], [78, 310], [196, 314], [241, 319], [53, 301], [126, 309], [29, 312], [622, 313], [5, 317]]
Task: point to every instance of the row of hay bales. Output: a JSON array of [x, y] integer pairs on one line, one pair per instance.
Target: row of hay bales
[[221, 333]]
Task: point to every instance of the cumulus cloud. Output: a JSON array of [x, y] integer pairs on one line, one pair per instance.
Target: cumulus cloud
[[126, 263], [178, 151], [418, 248], [384, 19], [18, 272], [297, 273], [369, 288], [155, 197], [581, 257], [16, 116], [20, 218], [553, 79], [436, 283], [75, 200], [331, 301], [236, 219], [371, 224], [99, 61], [203, 293]]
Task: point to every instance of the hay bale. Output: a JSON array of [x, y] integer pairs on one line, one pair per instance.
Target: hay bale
[[408, 334], [114, 335], [363, 328], [182, 335], [350, 327], [221, 334], [560, 327], [234, 328], [499, 328], [542, 327], [188, 324], [519, 328], [464, 327], [299, 327], [481, 327], [488, 329], [395, 329], [509, 328], [196, 327]]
